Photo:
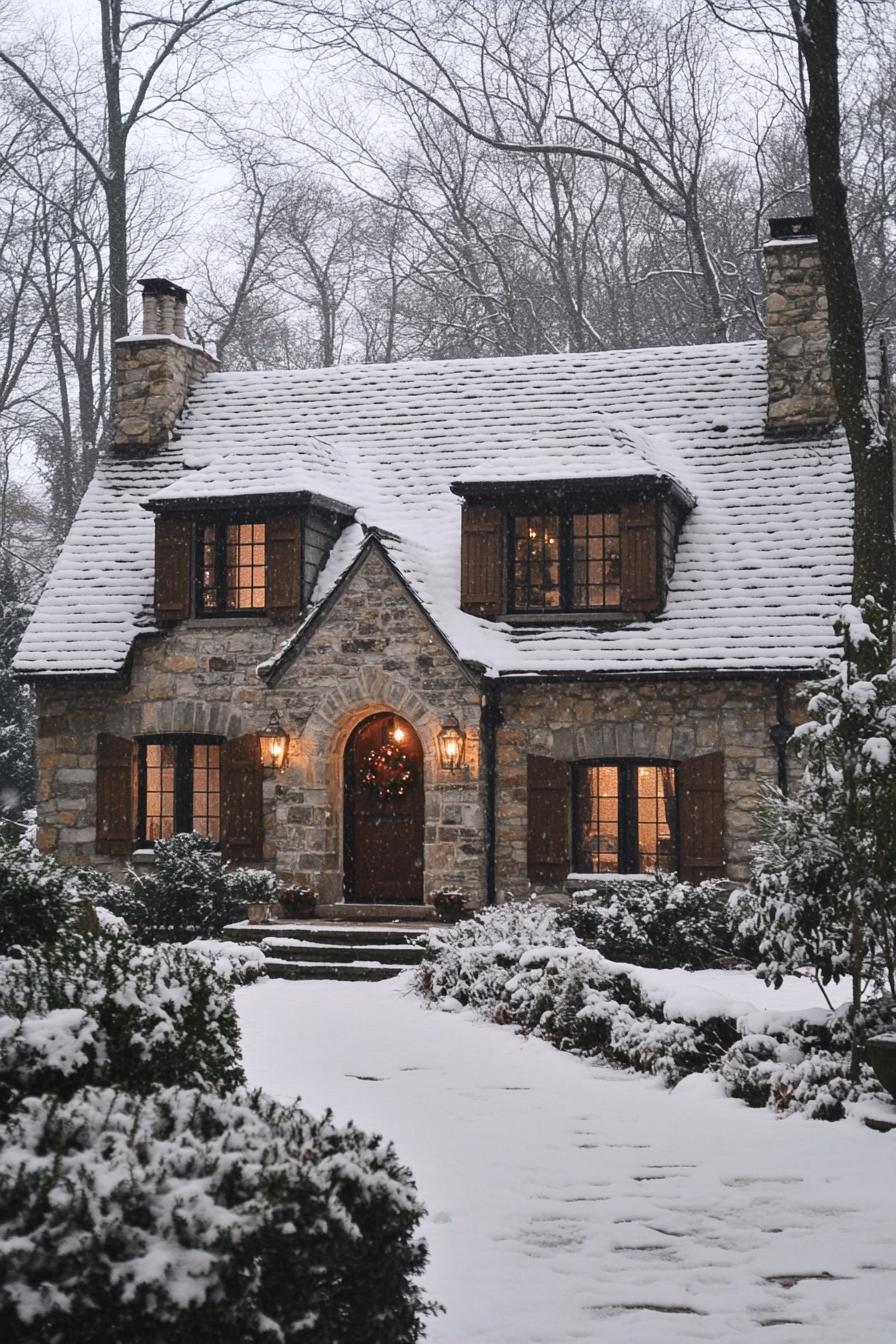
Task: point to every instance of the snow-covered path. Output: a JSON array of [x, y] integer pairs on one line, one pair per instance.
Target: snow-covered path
[[569, 1201]]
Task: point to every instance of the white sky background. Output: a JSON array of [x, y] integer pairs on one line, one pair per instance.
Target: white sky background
[[251, 96]]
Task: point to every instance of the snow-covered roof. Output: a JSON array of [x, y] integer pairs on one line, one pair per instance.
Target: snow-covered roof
[[763, 558], [307, 466]]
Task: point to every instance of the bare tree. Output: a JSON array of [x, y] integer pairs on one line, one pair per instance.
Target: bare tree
[[608, 80], [153, 60]]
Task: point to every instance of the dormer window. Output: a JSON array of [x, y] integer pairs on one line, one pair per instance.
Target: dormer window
[[555, 552], [567, 561], [250, 558], [231, 569]]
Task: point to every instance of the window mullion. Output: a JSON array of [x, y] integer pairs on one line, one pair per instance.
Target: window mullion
[[141, 791], [565, 538], [221, 568], [183, 787], [629, 828]]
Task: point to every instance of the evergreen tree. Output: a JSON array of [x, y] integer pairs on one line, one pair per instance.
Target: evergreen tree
[[823, 886]]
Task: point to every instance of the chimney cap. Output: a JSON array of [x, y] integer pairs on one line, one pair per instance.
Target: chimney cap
[[787, 227], [158, 285]]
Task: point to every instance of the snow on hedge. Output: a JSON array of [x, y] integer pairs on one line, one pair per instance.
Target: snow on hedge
[[109, 1012], [194, 1218], [521, 964]]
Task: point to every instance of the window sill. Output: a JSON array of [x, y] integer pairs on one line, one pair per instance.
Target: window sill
[[578, 881], [554, 618], [227, 622]]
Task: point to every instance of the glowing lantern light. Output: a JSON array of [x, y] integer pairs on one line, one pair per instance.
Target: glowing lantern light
[[451, 744], [273, 743]]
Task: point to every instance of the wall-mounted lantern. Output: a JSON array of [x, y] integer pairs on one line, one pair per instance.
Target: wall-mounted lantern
[[273, 742], [451, 744]]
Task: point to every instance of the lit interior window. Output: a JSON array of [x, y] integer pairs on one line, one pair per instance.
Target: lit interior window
[[656, 817], [626, 818], [536, 562], [245, 566], [599, 819], [595, 560], [207, 790], [232, 563], [160, 772]]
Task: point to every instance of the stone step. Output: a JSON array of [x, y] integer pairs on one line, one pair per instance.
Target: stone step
[[376, 914], [294, 949], [354, 970], [322, 932]]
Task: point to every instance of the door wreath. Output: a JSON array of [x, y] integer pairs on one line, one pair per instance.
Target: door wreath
[[386, 771]]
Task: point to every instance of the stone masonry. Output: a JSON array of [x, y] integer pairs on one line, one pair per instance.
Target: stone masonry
[[153, 375], [373, 650], [800, 391], [653, 720]]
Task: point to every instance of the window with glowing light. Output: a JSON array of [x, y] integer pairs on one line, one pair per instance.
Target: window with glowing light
[[179, 788], [625, 817], [231, 569], [565, 561]]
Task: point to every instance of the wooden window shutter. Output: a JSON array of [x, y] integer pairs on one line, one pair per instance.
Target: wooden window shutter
[[639, 556], [548, 804], [283, 560], [482, 560], [174, 555], [116, 779], [701, 812], [242, 823]]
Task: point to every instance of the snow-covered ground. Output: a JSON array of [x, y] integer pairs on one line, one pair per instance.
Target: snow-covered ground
[[569, 1201]]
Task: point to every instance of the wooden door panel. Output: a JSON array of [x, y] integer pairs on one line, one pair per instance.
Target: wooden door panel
[[384, 836]]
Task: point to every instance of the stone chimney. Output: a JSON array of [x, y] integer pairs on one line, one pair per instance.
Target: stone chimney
[[800, 392], [155, 371]]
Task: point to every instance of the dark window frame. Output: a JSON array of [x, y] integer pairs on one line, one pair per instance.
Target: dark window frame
[[628, 813], [564, 510], [220, 522], [183, 779]]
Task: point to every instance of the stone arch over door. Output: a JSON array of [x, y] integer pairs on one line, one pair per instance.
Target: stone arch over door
[[384, 812]]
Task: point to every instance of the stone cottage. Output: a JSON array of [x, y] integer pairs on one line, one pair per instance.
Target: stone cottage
[[501, 625]]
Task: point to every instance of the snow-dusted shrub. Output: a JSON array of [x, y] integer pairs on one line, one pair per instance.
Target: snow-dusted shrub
[[800, 1061], [194, 1219], [240, 963], [189, 892], [578, 1000], [518, 964], [108, 1012], [664, 922], [37, 896], [472, 960]]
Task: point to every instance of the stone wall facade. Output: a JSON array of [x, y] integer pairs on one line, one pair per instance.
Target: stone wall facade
[[800, 390], [372, 650], [654, 720]]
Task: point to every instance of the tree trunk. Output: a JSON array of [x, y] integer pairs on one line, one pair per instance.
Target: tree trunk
[[115, 186], [816, 30]]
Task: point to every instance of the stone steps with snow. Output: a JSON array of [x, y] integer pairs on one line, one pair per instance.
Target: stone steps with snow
[[279, 969], [331, 951]]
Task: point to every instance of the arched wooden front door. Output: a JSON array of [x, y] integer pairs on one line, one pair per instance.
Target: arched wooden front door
[[384, 813]]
